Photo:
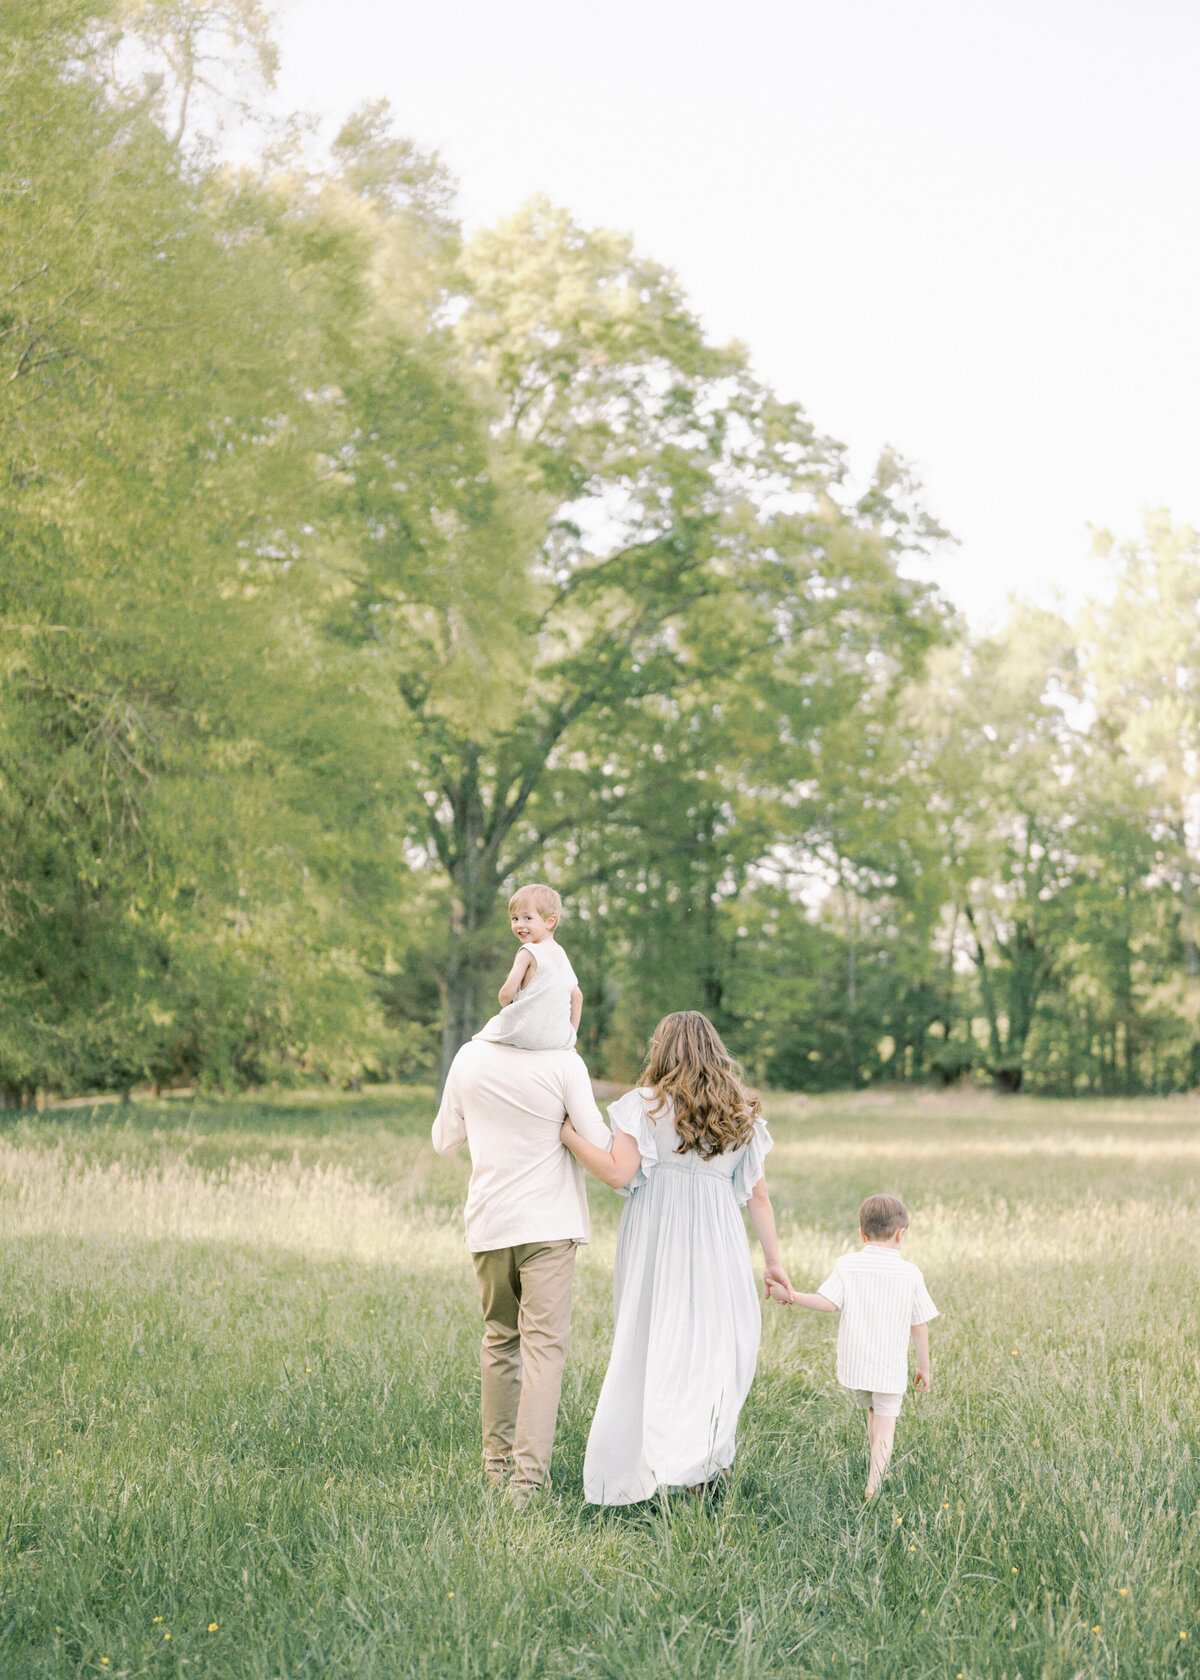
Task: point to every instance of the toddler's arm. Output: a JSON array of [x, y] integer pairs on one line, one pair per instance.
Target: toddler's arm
[[522, 962], [576, 1008], [923, 1378], [815, 1303], [615, 1167]]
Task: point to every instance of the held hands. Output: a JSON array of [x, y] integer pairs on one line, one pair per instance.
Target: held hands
[[777, 1286]]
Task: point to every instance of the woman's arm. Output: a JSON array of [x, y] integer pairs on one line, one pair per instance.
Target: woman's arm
[[522, 962], [615, 1167], [576, 1008], [763, 1215]]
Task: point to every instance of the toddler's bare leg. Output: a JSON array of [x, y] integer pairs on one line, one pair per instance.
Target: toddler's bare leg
[[870, 1422], [881, 1432]]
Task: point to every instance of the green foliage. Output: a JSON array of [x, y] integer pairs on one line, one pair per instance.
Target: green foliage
[[353, 572], [177, 802]]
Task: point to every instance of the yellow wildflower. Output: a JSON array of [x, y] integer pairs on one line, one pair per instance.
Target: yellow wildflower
[[212, 1627], [158, 1618], [1124, 1591]]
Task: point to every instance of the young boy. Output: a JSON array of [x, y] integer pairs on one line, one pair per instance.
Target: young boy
[[882, 1299], [541, 1002]]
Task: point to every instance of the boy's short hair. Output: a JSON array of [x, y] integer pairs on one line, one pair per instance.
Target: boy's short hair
[[882, 1216], [536, 896]]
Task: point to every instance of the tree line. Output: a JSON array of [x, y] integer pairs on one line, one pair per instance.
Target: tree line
[[354, 570]]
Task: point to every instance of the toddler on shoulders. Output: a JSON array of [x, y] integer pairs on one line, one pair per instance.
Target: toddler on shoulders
[[541, 1003]]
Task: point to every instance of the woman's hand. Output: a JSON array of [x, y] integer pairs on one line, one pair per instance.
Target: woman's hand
[[568, 1131], [777, 1286]]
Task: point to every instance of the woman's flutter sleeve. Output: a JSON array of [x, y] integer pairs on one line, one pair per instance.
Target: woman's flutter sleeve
[[629, 1114], [750, 1168]]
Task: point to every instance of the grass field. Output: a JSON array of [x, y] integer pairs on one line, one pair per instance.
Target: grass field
[[239, 1431]]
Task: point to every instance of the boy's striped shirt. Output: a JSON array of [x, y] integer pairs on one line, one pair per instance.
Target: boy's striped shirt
[[880, 1296]]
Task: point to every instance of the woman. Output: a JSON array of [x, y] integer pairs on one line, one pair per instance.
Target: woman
[[688, 1151]]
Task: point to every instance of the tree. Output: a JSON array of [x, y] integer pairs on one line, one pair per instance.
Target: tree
[[1000, 790], [167, 801], [662, 542], [1142, 668]]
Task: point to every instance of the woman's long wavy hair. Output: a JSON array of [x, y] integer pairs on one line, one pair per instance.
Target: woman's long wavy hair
[[690, 1067]]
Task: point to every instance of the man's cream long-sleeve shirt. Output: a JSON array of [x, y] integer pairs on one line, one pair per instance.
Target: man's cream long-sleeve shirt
[[507, 1105]]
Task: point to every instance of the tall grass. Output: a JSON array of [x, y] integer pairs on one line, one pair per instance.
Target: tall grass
[[239, 1413]]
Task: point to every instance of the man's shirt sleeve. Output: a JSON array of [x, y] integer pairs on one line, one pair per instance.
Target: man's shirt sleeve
[[581, 1107], [450, 1127]]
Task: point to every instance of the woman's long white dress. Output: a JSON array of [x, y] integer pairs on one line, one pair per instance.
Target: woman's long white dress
[[687, 1318]]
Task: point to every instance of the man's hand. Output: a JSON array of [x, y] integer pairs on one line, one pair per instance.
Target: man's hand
[[777, 1286]]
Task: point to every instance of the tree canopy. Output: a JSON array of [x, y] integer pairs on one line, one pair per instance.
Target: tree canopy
[[354, 571]]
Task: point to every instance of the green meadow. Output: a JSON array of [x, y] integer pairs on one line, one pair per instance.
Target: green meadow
[[239, 1431]]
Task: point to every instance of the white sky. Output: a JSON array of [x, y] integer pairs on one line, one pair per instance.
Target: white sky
[[970, 231]]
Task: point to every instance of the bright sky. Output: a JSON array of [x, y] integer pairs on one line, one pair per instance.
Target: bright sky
[[970, 231]]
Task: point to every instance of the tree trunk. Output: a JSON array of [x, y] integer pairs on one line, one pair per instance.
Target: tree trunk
[[1191, 959], [471, 956], [987, 995], [712, 977], [460, 1012], [851, 921]]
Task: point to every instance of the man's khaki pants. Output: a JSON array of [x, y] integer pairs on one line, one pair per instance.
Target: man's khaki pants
[[526, 1294]]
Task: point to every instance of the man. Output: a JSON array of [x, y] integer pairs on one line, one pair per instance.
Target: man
[[526, 1214]]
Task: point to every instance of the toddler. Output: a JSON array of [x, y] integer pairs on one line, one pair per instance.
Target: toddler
[[541, 1002], [882, 1299]]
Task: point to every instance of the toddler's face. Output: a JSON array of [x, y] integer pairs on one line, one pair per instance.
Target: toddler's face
[[531, 927]]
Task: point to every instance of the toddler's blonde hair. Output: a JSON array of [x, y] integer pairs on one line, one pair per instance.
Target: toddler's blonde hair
[[537, 896], [882, 1216]]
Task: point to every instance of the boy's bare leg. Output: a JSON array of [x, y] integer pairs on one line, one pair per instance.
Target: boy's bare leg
[[881, 1432]]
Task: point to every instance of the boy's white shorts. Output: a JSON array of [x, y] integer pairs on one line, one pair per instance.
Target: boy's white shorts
[[883, 1405]]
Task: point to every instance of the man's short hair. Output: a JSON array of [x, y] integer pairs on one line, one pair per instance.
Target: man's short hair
[[536, 896], [882, 1216]]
